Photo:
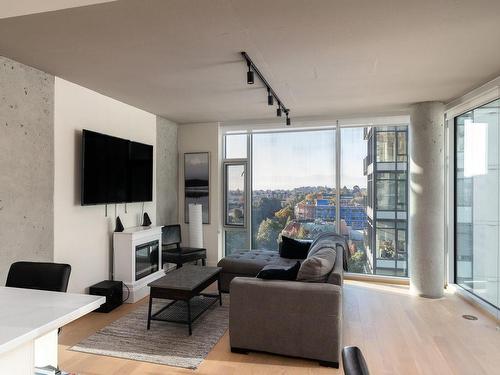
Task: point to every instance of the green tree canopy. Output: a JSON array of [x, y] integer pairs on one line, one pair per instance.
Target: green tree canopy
[[267, 236], [284, 214]]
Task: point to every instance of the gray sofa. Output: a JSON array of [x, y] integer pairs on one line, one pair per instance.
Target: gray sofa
[[293, 318]]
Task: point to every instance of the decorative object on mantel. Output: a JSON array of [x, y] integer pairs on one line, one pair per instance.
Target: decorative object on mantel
[[119, 225], [197, 183], [195, 225], [166, 344], [146, 221]]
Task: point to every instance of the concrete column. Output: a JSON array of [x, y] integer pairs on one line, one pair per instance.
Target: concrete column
[[26, 165], [426, 222]]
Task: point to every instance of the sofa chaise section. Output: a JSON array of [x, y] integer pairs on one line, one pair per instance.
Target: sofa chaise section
[[248, 263]]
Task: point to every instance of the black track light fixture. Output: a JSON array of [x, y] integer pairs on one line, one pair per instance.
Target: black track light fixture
[[250, 79], [270, 99], [271, 94]]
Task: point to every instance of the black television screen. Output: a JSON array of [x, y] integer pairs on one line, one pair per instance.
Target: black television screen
[[115, 170], [140, 173]]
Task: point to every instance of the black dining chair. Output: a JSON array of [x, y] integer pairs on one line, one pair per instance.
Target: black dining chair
[[353, 361], [39, 275]]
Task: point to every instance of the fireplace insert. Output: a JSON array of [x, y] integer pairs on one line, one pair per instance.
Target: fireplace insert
[[146, 259]]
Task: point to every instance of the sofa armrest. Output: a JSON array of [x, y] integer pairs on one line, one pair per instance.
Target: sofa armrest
[[286, 317]]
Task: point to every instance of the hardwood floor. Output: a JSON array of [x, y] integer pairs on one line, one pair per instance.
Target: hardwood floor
[[397, 332]]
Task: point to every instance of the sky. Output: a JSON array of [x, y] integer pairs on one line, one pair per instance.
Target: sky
[[196, 166], [287, 160]]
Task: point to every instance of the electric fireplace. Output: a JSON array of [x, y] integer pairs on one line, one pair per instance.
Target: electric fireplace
[[146, 259], [137, 260]]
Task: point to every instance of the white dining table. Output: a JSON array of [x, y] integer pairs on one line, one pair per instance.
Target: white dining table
[[29, 323]]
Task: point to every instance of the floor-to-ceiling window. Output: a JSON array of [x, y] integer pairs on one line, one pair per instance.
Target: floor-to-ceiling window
[[389, 214], [354, 197], [477, 219], [236, 210], [373, 200], [293, 180], [291, 188]]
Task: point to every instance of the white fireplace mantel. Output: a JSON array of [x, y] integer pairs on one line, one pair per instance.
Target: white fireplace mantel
[[124, 247]]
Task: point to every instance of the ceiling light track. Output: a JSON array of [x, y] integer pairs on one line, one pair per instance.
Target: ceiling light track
[[271, 94]]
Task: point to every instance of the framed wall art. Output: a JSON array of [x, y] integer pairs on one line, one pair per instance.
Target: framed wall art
[[197, 183]]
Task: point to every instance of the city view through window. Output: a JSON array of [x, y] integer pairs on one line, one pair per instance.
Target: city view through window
[[293, 192]]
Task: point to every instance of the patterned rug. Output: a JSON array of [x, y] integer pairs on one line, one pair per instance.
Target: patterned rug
[[165, 343]]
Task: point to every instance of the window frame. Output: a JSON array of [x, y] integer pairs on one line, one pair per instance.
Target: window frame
[[401, 166], [225, 165]]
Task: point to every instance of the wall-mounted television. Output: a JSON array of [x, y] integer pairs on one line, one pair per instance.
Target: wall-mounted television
[[115, 170], [140, 173]]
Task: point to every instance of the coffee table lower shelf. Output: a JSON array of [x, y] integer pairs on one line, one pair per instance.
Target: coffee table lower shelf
[[184, 311], [184, 287]]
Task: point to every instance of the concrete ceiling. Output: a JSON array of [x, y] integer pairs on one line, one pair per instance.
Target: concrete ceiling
[[180, 58], [14, 8]]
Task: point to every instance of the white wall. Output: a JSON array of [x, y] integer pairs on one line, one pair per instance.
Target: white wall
[[82, 235], [199, 138]]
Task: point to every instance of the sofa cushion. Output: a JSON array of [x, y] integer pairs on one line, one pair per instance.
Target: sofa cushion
[[318, 265], [321, 242], [293, 249], [249, 263], [275, 272]]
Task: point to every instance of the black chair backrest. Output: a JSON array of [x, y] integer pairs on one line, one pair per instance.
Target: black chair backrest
[[38, 275], [353, 361], [171, 235]]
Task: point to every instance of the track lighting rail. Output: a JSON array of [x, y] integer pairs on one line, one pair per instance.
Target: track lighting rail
[[271, 93]]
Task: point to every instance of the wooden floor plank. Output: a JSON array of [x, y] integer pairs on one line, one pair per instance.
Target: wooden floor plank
[[397, 332]]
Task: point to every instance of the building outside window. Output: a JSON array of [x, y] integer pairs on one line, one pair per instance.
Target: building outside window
[[387, 251]]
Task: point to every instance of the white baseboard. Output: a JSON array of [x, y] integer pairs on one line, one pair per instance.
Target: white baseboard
[[474, 300], [376, 278], [140, 289]]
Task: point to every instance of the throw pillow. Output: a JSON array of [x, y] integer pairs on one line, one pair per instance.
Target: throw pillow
[[275, 272], [321, 244], [317, 267], [293, 249]]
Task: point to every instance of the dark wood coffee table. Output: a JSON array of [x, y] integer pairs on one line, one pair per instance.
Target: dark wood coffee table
[[184, 286]]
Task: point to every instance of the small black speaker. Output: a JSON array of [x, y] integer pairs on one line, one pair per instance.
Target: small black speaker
[[146, 222], [119, 225], [112, 290]]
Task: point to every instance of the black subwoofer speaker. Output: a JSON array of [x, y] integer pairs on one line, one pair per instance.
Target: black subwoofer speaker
[[112, 290]]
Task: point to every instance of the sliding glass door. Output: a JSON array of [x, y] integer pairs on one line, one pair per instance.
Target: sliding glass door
[[477, 219], [294, 190]]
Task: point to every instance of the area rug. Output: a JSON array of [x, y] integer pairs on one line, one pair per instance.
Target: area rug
[[165, 343]]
